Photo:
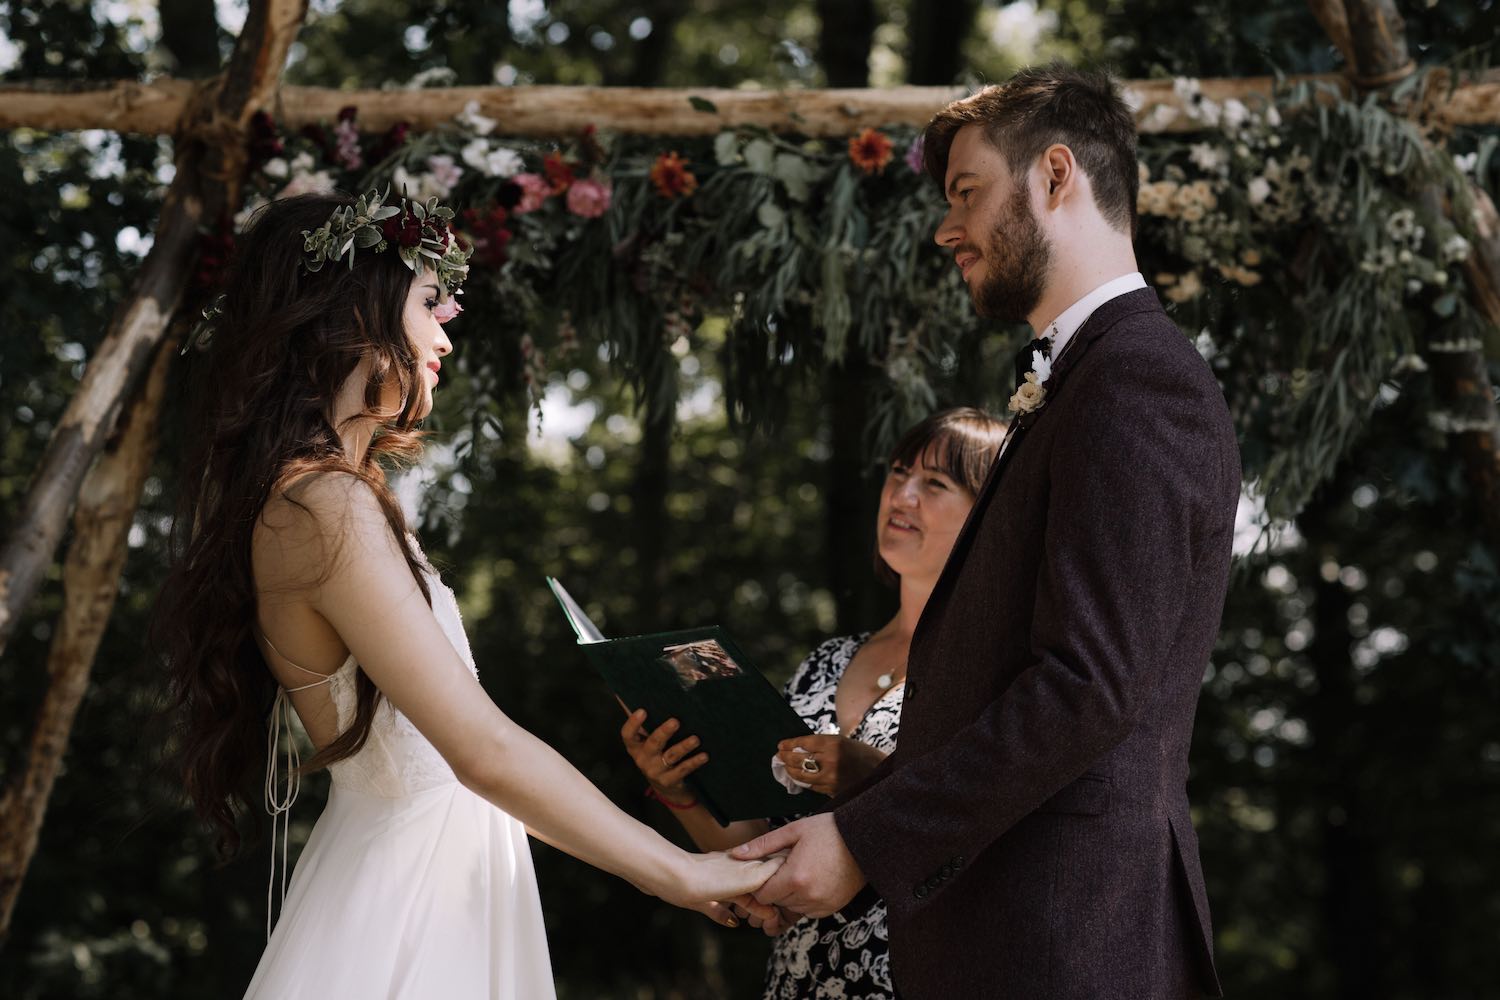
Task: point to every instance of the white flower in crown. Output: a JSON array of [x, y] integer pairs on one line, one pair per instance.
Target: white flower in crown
[[1029, 396]]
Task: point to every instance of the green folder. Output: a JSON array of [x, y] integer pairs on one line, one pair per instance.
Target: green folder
[[703, 679]]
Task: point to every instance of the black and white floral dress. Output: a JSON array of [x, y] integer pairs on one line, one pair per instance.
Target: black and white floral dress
[[844, 956]]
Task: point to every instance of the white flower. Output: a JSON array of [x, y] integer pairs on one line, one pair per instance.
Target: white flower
[[1042, 366], [476, 122], [1235, 113], [275, 167], [1409, 363], [504, 162], [1273, 117], [1455, 249], [443, 174], [303, 163], [1206, 157], [1187, 90], [1401, 225], [1260, 190], [315, 183], [1466, 162], [1029, 396]]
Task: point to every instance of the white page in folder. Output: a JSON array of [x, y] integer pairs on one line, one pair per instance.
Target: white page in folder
[[586, 630]]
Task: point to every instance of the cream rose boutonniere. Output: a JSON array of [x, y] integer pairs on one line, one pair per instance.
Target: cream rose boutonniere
[[1029, 396]]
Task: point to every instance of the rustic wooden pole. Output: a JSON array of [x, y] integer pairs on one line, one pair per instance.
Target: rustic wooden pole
[[91, 581], [210, 163], [1460, 371], [547, 111]]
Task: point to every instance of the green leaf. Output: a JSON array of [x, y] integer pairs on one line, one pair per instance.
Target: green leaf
[[704, 105], [760, 156], [770, 215], [726, 149], [795, 174]]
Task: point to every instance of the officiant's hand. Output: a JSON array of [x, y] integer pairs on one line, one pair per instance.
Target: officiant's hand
[[819, 877], [664, 766], [836, 763]]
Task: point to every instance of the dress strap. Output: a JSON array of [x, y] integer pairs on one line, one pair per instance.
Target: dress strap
[[279, 795]]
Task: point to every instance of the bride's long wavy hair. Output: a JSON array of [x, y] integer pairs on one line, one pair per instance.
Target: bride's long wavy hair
[[284, 346]]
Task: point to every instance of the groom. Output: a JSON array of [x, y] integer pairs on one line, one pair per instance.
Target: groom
[[1031, 834]]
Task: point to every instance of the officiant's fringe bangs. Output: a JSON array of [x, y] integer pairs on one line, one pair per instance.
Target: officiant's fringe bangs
[[1043, 105]]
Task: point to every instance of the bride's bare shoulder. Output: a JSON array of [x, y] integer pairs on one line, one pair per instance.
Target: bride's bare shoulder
[[307, 523]]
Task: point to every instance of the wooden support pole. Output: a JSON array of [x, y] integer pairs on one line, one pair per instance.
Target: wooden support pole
[[210, 164], [91, 581], [555, 111]]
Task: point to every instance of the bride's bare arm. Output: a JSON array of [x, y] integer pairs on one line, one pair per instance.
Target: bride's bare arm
[[369, 597]]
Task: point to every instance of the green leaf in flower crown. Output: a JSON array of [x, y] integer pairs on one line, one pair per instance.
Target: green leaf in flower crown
[[366, 236], [726, 149], [384, 212], [704, 105], [759, 155]]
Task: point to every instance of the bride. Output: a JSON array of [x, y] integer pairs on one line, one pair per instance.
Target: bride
[[296, 586]]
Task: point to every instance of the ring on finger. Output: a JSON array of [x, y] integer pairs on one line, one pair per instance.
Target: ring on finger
[[810, 765]]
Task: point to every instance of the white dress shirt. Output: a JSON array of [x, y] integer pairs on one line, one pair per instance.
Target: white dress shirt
[[1060, 331]]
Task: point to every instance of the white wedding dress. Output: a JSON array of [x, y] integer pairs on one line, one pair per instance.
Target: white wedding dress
[[410, 886]]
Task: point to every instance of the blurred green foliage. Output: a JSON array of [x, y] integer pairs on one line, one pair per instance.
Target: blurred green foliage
[[1346, 768]]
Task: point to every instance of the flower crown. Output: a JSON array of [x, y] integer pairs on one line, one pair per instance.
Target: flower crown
[[418, 231]]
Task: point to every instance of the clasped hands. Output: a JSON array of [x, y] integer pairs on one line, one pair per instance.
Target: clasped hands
[[818, 876]]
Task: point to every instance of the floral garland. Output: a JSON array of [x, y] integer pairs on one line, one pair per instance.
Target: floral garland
[[1286, 237]]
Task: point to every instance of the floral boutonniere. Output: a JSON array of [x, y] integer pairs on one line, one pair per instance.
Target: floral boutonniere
[[1032, 392]]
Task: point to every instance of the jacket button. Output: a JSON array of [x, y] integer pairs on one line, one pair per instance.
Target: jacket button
[[946, 871], [958, 862], [920, 892]]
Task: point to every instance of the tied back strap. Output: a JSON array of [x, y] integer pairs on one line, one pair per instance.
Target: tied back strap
[[279, 798]]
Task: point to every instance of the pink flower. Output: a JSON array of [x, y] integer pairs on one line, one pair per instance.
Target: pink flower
[[534, 192], [588, 198], [446, 309], [914, 155]]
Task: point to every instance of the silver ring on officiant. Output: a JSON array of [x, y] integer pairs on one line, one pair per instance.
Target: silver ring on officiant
[[810, 765]]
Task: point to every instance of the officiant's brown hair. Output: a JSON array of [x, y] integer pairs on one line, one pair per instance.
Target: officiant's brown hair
[[1043, 105], [961, 443]]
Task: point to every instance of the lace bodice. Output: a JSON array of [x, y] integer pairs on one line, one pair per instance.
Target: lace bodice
[[396, 760]]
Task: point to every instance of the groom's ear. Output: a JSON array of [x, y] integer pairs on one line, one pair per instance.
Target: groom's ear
[[1059, 173]]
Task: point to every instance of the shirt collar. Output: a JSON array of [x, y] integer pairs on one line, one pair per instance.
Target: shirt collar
[[1061, 330]]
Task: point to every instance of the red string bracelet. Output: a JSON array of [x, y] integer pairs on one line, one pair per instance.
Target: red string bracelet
[[652, 793]]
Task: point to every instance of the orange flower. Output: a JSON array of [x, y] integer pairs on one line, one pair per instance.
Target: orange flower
[[672, 177], [870, 151]]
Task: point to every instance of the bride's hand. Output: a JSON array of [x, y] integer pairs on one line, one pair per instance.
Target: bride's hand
[[701, 881]]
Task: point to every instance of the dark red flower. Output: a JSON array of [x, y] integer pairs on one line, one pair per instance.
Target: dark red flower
[[394, 139], [509, 195], [347, 113], [672, 177], [558, 172]]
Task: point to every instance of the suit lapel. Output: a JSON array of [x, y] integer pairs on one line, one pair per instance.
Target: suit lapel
[[1102, 320]]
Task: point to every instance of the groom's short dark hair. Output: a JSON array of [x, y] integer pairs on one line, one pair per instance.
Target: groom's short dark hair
[[1042, 105]]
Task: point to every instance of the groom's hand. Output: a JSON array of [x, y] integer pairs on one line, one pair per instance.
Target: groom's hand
[[819, 877], [771, 919]]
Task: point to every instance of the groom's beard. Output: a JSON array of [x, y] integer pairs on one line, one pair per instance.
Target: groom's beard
[[1016, 263]]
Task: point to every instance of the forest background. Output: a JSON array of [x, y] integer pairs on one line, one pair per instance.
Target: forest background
[[1346, 759]]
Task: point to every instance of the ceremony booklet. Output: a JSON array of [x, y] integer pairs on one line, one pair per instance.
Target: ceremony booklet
[[701, 678]]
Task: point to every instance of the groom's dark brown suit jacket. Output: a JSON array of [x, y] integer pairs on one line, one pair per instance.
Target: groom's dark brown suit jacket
[[1030, 834]]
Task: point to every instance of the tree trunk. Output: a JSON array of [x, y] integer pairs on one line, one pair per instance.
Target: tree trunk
[[846, 31], [653, 51], [91, 581], [849, 528], [206, 189], [936, 32], [190, 32], [648, 502]]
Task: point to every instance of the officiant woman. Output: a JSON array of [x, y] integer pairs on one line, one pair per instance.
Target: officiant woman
[[849, 691]]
